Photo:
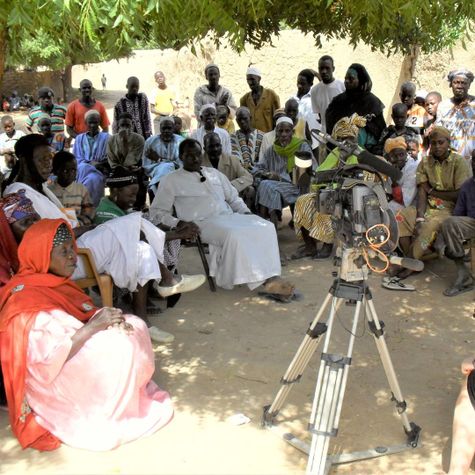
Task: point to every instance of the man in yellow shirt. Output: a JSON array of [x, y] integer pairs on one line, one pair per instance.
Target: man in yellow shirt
[[163, 100]]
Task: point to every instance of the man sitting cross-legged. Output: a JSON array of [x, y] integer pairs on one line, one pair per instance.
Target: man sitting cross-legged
[[439, 178], [243, 247], [455, 230], [229, 166]]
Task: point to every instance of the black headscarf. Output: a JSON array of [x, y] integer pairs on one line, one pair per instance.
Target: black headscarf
[[360, 100]]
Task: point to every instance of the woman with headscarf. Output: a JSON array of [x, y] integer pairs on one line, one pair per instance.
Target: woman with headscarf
[[457, 114], [116, 246], [74, 373], [276, 170], [90, 150], [358, 99], [313, 227]]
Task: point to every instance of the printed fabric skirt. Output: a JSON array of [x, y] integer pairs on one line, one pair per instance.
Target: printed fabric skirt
[[318, 225]]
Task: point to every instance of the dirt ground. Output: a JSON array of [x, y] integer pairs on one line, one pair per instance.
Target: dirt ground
[[232, 347]]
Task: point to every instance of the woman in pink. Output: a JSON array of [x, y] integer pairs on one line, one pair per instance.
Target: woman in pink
[[73, 373]]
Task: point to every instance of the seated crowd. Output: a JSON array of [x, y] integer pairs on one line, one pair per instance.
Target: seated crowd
[[132, 198]]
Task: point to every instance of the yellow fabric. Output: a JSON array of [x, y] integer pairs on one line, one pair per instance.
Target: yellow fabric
[[397, 142], [348, 127], [299, 129], [163, 100]]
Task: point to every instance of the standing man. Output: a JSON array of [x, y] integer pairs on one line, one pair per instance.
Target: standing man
[[328, 87], [46, 106], [213, 93], [75, 122], [136, 104], [303, 96], [162, 100], [103, 81], [458, 113], [262, 102]]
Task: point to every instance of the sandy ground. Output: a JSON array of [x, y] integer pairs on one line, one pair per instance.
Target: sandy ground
[[232, 347], [230, 351]]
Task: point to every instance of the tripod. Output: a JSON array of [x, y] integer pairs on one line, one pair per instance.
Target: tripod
[[333, 374]]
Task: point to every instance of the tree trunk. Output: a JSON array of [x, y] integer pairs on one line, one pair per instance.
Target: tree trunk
[[3, 50], [408, 67], [66, 79]]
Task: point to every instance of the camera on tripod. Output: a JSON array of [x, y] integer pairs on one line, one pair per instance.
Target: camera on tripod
[[355, 196]]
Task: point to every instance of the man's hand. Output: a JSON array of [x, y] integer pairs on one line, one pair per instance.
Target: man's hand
[[426, 187], [187, 230], [154, 156]]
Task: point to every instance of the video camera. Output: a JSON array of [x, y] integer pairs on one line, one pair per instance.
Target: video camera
[[356, 198]]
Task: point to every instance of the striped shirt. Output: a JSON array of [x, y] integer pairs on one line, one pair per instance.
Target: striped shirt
[[57, 114]]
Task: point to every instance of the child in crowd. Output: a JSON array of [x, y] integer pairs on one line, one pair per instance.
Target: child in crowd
[[73, 195], [179, 126], [7, 145], [57, 141], [415, 112], [431, 104], [399, 129], [223, 119]]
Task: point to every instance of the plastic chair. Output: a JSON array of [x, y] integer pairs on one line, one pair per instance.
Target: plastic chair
[[103, 281]]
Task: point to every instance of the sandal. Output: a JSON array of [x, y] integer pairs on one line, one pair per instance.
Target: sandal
[[465, 286], [394, 283], [301, 253]]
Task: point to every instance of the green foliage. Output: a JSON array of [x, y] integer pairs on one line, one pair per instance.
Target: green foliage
[[61, 32]]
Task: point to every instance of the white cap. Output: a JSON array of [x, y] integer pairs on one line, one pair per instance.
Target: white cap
[[251, 70], [284, 120], [207, 106], [422, 93]]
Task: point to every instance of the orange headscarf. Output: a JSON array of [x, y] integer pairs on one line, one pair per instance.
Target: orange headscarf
[[30, 291]]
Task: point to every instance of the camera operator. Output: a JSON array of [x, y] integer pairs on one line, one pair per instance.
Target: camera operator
[[311, 225], [439, 178], [463, 430]]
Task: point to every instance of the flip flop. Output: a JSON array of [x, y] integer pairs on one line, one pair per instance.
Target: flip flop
[[394, 283], [301, 253], [466, 286]]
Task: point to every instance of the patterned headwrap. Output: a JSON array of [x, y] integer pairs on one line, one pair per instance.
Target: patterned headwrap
[[121, 177], [16, 206], [460, 72], [62, 235], [396, 142], [348, 127]]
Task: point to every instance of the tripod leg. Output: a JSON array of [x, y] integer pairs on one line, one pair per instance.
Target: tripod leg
[[328, 400], [298, 364], [376, 327]]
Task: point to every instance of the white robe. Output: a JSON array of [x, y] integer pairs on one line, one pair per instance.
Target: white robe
[[243, 247], [115, 245]]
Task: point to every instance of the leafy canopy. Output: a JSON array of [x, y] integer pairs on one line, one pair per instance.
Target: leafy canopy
[[60, 32]]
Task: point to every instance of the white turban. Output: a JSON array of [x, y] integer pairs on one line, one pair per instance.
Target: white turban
[[92, 112], [207, 106], [284, 120], [251, 70]]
